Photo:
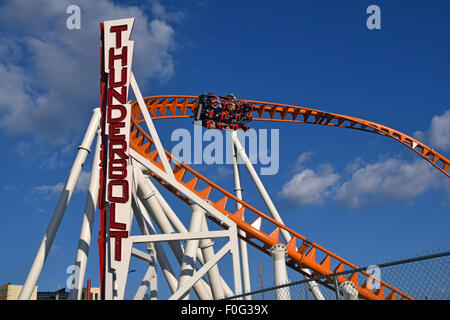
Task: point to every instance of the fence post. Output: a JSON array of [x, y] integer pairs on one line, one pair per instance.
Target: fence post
[[279, 253]]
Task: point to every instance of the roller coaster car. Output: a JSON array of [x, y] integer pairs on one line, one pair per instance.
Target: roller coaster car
[[228, 112]]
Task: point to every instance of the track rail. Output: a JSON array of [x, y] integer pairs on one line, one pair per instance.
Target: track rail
[[182, 106], [261, 231]]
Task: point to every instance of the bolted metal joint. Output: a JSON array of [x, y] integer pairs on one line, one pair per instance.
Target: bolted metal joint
[[349, 291], [279, 247], [148, 195], [206, 243]]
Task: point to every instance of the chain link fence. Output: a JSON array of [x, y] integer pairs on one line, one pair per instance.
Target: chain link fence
[[422, 278]]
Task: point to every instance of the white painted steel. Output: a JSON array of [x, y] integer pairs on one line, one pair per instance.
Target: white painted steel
[[200, 273], [142, 255], [179, 227], [151, 126], [242, 243], [313, 286], [279, 253], [349, 291], [190, 252], [181, 236], [58, 213], [147, 195], [148, 279], [87, 223], [171, 181], [147, 228], [206, 246]]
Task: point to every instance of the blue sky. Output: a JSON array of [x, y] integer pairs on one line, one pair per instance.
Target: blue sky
[[365, 197]]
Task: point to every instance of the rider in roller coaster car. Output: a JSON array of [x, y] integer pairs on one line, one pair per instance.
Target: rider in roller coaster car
[[226, 112]]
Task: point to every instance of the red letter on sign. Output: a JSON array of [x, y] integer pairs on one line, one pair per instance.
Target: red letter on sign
[[121, 97], [118, 30], [122, 169], [123, 113], [114, 131], [112, 218], [120, 152], [118, 235], [121, 183], [123, 57], [112, 75]]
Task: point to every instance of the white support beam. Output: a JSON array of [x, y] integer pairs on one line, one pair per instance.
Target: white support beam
[[151, 126], [279, 254], [147, 195], [58, 213], [146, 163], [180, 228], [201, 272], [242, 243], [181, 236], [146, 283], [87, 223], [313, 286], [206, 246], [147, 228], [188, 264], [141, 255]]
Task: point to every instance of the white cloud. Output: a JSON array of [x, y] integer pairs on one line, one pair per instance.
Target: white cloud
[[53, 161], [159, 12], [309, 187], [54, 84], [438, 134], [8, 187], [223, 171], [390, 180], [301, 159], [49, 191], [23, 149]]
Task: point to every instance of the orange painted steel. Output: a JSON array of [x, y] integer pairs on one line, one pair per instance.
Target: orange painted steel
[[268, 234], [263, 232], [182, 106]]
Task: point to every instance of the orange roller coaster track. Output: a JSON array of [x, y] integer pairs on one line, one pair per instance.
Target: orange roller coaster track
[[171, 106], [261, 231]]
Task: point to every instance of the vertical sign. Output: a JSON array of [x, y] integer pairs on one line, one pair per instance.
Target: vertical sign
[[115, 172]]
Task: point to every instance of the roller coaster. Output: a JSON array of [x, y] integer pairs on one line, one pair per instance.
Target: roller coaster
[[233, 217]]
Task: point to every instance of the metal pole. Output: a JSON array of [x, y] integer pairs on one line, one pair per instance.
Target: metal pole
[[336, 284], [149, 275], [206, 245], [313, 286], [279, 253], [49, 236], [88, 290], [242, 243], [151, 203], [179, 227], [86, 226], [147, 228], [188, 264], [269, 204]]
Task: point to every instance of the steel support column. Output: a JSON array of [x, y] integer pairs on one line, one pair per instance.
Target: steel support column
[[149, 200], [58, 213], [88, 221], [242, 243], [313, 286], [279, 253]]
